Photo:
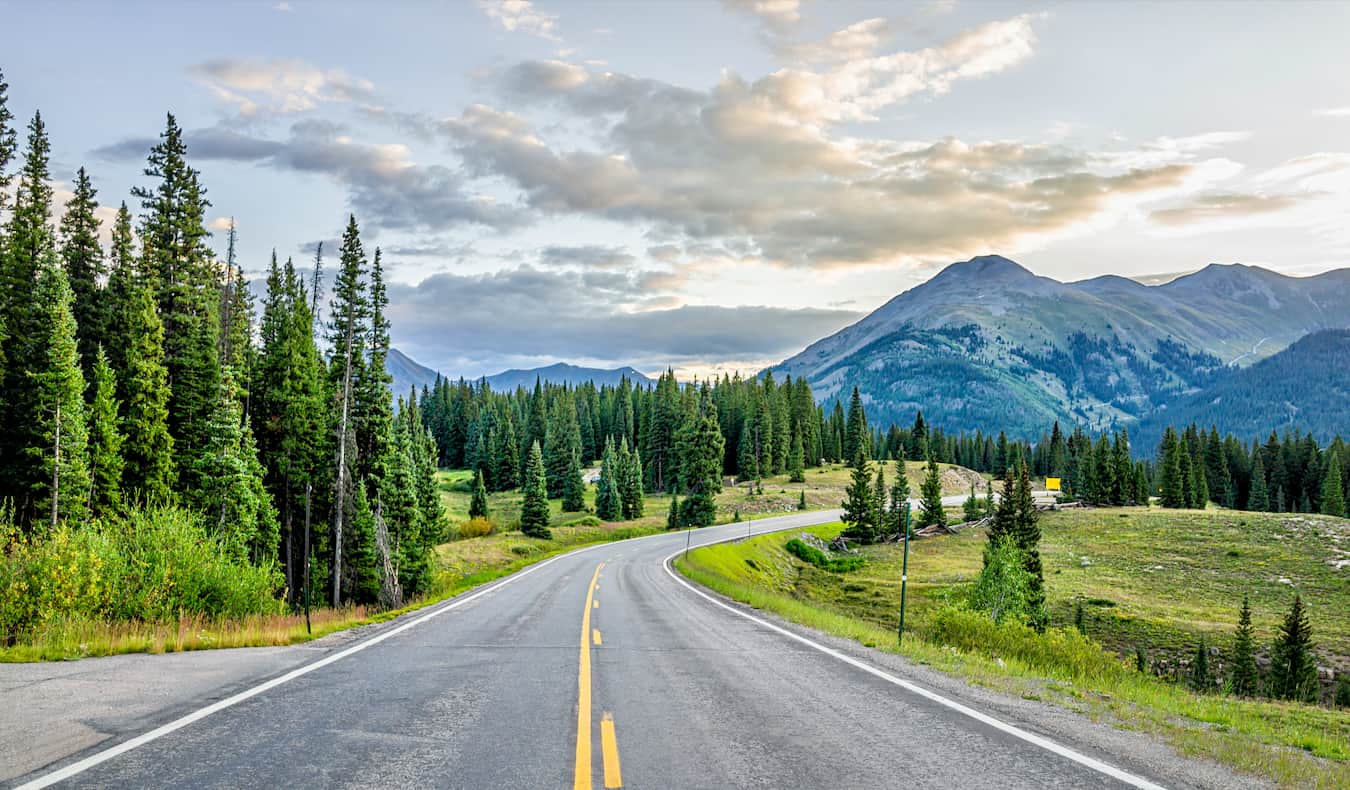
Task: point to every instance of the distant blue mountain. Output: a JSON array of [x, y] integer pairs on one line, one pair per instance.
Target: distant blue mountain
[[408, 373], [563, 373]]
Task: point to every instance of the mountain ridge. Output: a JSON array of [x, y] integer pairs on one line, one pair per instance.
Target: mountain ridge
[[1098, 352], [408, 373]]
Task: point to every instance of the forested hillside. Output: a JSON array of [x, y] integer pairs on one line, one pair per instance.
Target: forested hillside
[[1305, 387]]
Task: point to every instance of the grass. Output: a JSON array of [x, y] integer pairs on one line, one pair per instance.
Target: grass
[[1156, 577]]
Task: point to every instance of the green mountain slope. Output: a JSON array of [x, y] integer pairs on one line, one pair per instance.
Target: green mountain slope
[[987, 344]]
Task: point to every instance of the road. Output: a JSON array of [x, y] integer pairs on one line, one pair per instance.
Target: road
[[603, 668]]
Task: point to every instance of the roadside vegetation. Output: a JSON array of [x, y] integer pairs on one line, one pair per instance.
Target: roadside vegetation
[[1131, 595]]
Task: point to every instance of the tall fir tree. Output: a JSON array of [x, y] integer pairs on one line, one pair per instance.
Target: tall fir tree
[[931, 510], [82, 257], [859, 503], [7, 142], [119, 296], [29, 243], [1293, 669], [56, 430], [478, 502], [631, 501], [1243, 677], [534, 486], [1258, 496], [148, 448], [346, 335], [183, 273], [574, 490], [232, 494], [1333, 496], [899, 502], [699, 447], [856, 435], [372, 409], [105, 439], [796, 462], [608, 506], [1016, 519]]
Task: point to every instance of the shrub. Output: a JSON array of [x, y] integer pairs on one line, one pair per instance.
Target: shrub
[[152, 566], [525, 549], [475, 528], [816, 557], [1057, 651], [584, 521]]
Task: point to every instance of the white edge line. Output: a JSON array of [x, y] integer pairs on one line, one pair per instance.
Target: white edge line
[[76, 768], [79, 767], [1032, 738]]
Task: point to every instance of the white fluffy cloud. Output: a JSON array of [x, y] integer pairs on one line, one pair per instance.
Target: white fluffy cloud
[[278, 85], [521, 16]]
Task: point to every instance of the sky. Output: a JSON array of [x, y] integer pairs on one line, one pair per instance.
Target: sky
[[709, 186]]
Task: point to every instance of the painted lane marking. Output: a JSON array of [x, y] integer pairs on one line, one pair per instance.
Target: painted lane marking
[[609, 746], [984, 718], [595, 636], [581, 772]]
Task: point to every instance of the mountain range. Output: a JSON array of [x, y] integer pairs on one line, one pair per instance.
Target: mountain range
[[407, 373], [988, 344]]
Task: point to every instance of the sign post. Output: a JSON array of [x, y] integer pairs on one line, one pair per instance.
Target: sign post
[[904, 579]]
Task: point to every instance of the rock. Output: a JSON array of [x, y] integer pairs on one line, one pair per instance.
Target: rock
[[1086, 563]]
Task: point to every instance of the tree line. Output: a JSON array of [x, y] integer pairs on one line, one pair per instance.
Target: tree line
[[139, 377]]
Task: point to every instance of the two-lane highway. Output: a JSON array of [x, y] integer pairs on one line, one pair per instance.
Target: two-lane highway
[[598, 668]]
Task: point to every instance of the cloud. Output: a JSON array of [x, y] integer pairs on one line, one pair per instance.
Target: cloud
[[1224, 205], [475, 324], [521, 16], [858, 40], [588, 256], [385, 188], [278, 85], [283, 7], [777, 16], [1334, 112], [221, 224], [761, 169]]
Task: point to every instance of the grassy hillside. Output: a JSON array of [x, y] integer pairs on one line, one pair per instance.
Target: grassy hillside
[[1145, 577], [824, 488]]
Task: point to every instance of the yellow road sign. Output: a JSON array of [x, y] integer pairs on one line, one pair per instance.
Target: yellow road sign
[[1052, 484]]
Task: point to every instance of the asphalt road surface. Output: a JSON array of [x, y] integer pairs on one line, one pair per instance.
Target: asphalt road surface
[[603, 668]]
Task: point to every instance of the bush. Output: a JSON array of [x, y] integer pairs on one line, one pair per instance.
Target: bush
[[813, 555], [475, 528], [525, 549], [584, 521], [1057, 651], [152, 566]]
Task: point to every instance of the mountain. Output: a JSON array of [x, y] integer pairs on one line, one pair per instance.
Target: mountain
[[562, 373], [407, 373], [988, 344], [1305, 387]]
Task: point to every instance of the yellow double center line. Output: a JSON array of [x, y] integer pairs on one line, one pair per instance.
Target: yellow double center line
[[581, 776]]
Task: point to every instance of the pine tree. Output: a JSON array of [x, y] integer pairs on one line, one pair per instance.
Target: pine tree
[[363, 562], [1293, 669], [698, 448], [607, 503], [28, 246], [972, 510], [372, 407], [534, 508], [6, 145], [899, 500], [82, 257], [232, 494], [930, 504], [629, 482], [180, 266], [1258, 498], [574, 490], [105, 439], [56, 431], [1243, 678], [796, 462], [478, 503], [507, 474], [1201, 679], [856, 435], [859, 504], [1333, 497], [399, 506], [673, 515], [147, 448], [119, 297], [346, 340], [1016, 520], [1173, 485]]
